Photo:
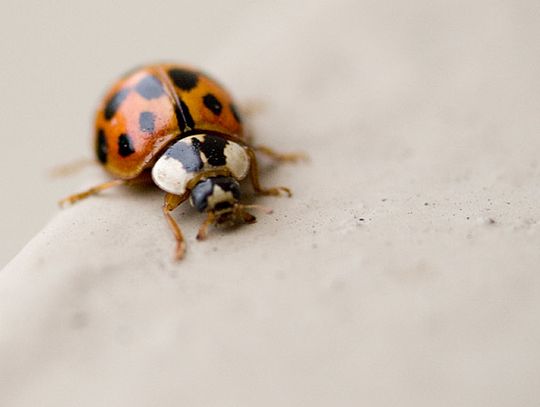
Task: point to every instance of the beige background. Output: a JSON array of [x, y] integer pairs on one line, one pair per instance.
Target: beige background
[[404, 271]]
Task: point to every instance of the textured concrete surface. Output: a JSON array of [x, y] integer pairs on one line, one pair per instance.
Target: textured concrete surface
[[405, 269]]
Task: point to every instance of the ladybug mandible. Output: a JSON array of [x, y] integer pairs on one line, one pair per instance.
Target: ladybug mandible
[[181, 127]]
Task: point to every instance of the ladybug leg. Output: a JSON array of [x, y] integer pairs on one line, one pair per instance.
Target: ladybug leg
[[171, 202], [64, 170], [203, 230], [282, 157], [92, 191], [254, 176]]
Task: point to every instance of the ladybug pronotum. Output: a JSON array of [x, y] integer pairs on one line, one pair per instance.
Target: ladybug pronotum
[[182, 128]]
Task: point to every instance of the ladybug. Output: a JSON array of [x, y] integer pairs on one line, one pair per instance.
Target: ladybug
[[176, 125]]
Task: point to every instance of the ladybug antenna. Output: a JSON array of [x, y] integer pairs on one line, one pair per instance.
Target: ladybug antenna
[[264, 209]]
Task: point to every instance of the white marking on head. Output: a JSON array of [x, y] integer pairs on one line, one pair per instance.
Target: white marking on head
[[237, 160], [170, 172], [170, 175], [219, 195]]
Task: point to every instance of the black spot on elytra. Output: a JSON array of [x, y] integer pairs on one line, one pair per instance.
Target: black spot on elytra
[[213, 148], [101, 147], [179, 118], [114, 103], [234, 111], [183, 116], [211, 102], [150, 87], [184, 79], [125, 145], [187, 115], [187, 154], [147, 122]]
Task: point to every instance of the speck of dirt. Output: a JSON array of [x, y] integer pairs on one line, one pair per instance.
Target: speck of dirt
[[486, 221]]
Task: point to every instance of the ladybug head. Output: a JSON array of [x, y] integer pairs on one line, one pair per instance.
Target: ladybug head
[[218, 196]]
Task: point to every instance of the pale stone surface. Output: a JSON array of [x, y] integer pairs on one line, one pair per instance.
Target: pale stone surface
[[404, 271]]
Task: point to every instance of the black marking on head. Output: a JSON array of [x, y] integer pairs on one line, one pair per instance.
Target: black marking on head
[[150, 87], [114, 103], [187, 154], [228, 184], [222, 205], [213, 148], [147, 122], [125, 145], [212, 103], [101, 147], [234, 111], [184, 79], [204, 189]]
